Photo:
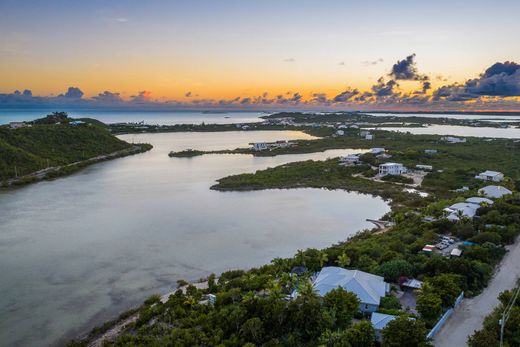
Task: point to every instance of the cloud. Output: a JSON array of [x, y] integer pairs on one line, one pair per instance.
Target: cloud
[[144, 96], [290, 60], [499, 80], [384, 89], [372, 62], [72, 93], [342, 63], [406, 69], [346, 95], [108, 97], [188, 94], [320, 98], [121, 20]]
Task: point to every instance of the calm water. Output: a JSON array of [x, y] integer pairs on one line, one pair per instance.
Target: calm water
[[455, 116], [79, 250], [149, 117], [510, 133]]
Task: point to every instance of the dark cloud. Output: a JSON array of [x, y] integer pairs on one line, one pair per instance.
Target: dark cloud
[[345, 96], [144, 96], [406, 69], [320, 98], [72, 93], [385, 89], [188, 94], [108, 97], [245, 101]]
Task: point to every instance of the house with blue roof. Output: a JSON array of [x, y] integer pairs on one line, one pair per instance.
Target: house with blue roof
[[379, 321], [369, 288]]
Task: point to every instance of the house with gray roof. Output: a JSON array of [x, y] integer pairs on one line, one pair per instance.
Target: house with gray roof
[[368, 288], [379, 322], [494, 192]]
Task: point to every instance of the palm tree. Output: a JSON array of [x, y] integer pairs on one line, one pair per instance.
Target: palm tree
[[323, 258], [343, 260], [301, 256]]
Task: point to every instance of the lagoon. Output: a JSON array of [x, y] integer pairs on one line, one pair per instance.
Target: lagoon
[[79, 250]]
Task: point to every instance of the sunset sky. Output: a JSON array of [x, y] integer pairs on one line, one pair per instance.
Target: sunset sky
[[262, 54]]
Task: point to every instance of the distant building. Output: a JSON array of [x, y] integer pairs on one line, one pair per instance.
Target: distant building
[[452, 139], [430, 151], [340, 132], [76, 122], [377, 150], [466, 209], [369, 137], [367, 287], [350, 159], [17, 125], [391, 169], [259, 146], [494, 192], [456, 252], [424, 167], [489, 175]]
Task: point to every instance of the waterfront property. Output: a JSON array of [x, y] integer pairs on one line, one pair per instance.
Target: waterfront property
[[452, 139], [424, 167], [489, 175], [368, 288], [262, 146], [391, 169], [377, 150], [350, 159], [17, 125], [494, 192]]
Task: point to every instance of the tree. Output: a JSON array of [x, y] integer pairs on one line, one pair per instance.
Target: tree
[[390, 303], [393, 269], [323, 258], [342, 305], [252, 330], [405, 332], [343, 260], [361, 334], [429, 305], [446, 286]]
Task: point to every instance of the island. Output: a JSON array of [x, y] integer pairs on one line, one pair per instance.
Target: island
[[54, 146]]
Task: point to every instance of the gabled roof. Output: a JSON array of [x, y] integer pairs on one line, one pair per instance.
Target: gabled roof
[[479, 201], [369, 288], [379, 320], [490, 173]]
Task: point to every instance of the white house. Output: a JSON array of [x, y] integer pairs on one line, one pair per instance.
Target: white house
[[391, 169], [369, 137], [350, 159], [489, 175], [259, 146], [424, 167], [479, 201], [377, 150], [452, 139], [379, 321], [466, 209], [494, 192], [340, 132], [430, 151], [368, 288], [17, 125]]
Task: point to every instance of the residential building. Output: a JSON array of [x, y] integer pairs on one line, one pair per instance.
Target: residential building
[[466, 209], [424, 167], [340, 132], [350, 159], [489, 175], [494, 192], [367, 287], [452, 139], [479, 201], [369, 137], [379, 321], [391, 169], [430, 151], [259, 146], [377, 150], [17, 125]]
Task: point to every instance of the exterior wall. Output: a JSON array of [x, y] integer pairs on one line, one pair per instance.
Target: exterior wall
[[368, 308]]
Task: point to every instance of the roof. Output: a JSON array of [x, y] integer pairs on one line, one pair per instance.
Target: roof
[[491, 173], [479, 201], [380, 320], [391, 164], [369, 288], [494, 192], [467, 209], [412, 283], [456, 252]]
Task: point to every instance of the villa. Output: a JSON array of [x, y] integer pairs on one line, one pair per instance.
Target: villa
[[452, 139], [379, 321], [391, 169], [17, 125], [368, 288], [466, 209], [494, 192], [377, 150], [350, 159], [489, 175], [340, 132]]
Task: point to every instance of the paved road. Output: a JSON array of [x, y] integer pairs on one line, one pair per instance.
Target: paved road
[[470, 314]]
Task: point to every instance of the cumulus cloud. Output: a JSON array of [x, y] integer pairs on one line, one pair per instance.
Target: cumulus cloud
[[384, 89], [188, 94], [143, 97], [72, 93], [108, 97], [406, 69], [290, 60], [346, 95]]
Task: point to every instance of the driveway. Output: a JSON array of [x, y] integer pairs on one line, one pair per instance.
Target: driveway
[[470, 314]]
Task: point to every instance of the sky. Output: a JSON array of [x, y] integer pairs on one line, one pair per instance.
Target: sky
[[264, 54]]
